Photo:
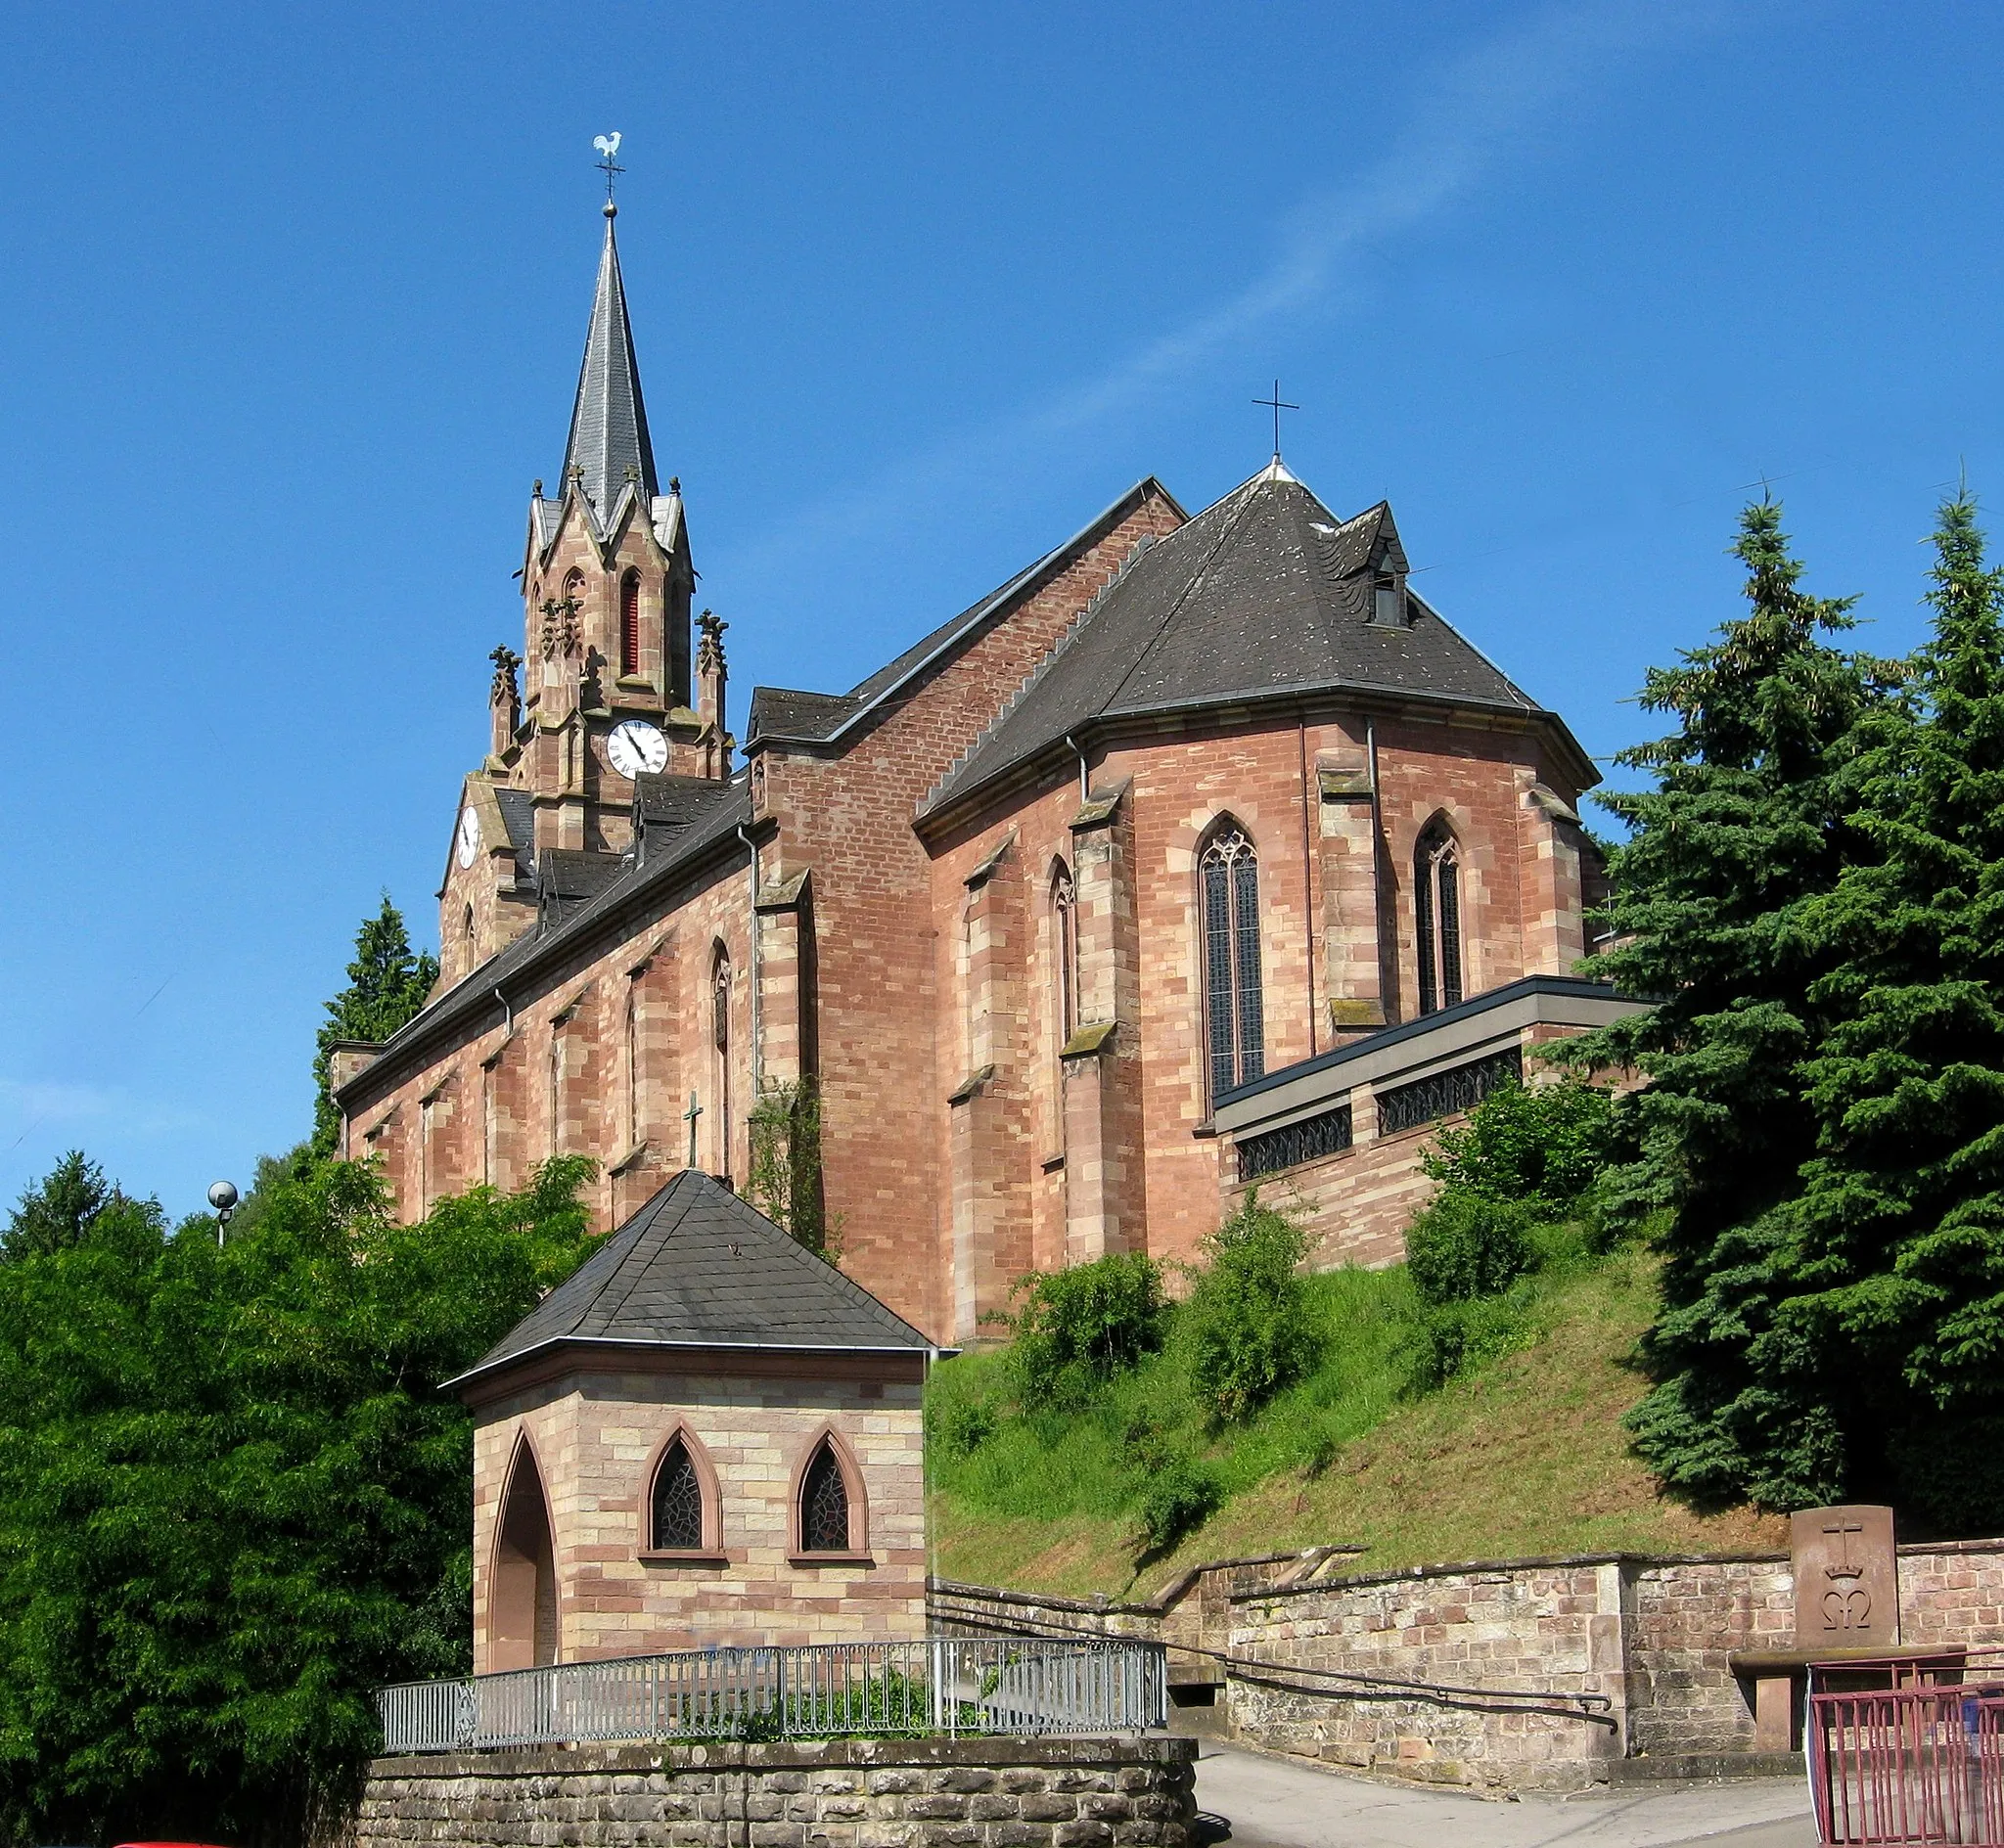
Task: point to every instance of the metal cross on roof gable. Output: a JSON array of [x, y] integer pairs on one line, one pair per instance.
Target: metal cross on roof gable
[[1276, 404]]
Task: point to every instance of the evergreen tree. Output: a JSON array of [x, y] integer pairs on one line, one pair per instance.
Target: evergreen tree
[[1899, 1234], [386, 986], [1744, 820], [65, 1207]]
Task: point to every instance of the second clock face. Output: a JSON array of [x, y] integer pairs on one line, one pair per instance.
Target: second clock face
[[636, 746], [469, 836]]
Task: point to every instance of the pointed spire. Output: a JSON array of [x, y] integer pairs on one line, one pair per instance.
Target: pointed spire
[[608, 443]]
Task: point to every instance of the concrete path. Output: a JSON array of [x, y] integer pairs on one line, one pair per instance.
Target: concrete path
[[1275, 1803]]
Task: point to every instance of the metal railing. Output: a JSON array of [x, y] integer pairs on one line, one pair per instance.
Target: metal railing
[[942, 1684], [1913, 1763]]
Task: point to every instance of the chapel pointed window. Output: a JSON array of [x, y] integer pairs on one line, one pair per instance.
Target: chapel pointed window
[[824, 1504], [1235, 1026], [1437, 918], [676, 1525]]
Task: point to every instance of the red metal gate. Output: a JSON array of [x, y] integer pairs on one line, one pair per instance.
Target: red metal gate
[[1907, 1764]]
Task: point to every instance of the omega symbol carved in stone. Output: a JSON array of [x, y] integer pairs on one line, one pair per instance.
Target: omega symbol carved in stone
[[635, 746]]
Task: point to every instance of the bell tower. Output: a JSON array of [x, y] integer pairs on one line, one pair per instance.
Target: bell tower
[[606, 690]]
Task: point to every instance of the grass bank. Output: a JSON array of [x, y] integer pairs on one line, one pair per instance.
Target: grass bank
[[1521, 1453]]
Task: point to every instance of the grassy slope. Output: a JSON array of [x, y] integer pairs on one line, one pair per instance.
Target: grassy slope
[[1524, 1457]]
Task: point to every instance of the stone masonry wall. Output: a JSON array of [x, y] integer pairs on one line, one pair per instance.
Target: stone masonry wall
[[836, 1793], [594, 1440], [1689, 1616]]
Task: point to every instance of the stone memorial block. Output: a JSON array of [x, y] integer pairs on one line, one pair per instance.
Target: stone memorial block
[[1846, 1578]]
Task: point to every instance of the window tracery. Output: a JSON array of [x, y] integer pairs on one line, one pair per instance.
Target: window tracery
[[1235, 1029], [675, 1524], [1437, 916], [824, 1504]]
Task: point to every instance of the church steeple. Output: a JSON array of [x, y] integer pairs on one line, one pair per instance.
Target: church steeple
[[609, 444]]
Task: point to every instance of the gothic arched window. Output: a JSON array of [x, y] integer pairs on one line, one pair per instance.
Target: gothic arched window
[[1228, 891], [825, 1502], [1064, 951], [1437, 916], [675, 1503], [629, 623], [633, 1111], [469, 923]]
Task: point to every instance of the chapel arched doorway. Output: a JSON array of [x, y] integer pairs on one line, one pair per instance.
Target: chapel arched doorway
[[523, 1606]]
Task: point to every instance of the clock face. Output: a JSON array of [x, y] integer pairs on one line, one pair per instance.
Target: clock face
[[469, 836], [635, 746]]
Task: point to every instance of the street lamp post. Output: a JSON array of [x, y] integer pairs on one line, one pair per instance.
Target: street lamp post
[[223, 1198]]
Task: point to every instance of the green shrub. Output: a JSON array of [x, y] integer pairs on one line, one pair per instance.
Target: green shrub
[[1078, 1327], [967, 1427], [1179, 1499], [1457, 1337], [1466, 1246], [1250, 1329], [1540, 1145]]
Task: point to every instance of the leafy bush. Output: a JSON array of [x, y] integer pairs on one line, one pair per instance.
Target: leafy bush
[[1248, 1314], [1467, 1245], [1078, 1327], [1540, 1145], [968, 1425], [233, 1500], [1176, 1494], [1457, 1337], [1177, 1500]]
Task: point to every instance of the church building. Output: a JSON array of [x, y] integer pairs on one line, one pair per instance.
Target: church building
[[1200, 852]]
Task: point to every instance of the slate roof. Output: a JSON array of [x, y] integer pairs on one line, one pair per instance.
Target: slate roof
[[696, 1267], [562, 923], [608, 420], [665, 804], [822, 716], [1267, 592]]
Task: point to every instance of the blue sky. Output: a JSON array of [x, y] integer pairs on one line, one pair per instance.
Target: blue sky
[[293, 298]]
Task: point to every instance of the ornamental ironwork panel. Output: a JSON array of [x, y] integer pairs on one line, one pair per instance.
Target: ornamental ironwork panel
[[1459, 1088], [1272, 1150]]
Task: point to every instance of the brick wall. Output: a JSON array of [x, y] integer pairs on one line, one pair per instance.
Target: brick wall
[[836, 1793]]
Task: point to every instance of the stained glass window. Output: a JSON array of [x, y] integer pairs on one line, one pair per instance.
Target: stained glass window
[[677, 1502], [1437, 918], [823, 1505], [1235, 1025]]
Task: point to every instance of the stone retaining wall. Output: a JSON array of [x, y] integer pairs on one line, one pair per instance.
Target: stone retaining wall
[[833, 1794]]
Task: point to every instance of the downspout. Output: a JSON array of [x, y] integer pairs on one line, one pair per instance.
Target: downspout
[[1308, 876], [757, 1057], [507, 1015], [1084, 788]]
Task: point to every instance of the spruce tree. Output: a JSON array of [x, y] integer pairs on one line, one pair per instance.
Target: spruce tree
[[386, 986], [1899, 1234], [1744, 820]]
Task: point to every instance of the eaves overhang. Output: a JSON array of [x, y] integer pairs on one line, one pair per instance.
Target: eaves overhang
[[1367, 697], [474, 995], [591, 1353]]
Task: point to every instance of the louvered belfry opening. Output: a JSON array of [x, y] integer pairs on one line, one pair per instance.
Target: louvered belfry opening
[[1437, 918], [676, 1522], [824, 1504], [1228, 879], [629, 623]]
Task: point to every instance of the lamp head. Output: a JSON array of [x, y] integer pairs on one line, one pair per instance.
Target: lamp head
[[223, 1197]]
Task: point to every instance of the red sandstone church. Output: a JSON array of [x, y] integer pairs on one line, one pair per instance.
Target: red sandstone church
[[1200, 852]]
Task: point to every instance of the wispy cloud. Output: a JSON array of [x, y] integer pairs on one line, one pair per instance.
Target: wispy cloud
[[1465, 124]]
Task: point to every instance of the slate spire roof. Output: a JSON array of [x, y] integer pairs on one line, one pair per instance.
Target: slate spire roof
[[609, 421], [696, 1267]]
